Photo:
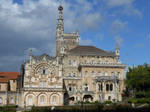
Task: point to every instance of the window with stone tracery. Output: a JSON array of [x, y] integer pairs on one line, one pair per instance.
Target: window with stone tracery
[[107, 87], [72, 88], [93, 73], [43, 84], [86, 73], [86, 87], [42, 99], [30, 100], [100, 87], [99, 74], [112, 74], [105, 74], [70, 62], [118, 74], [54, 99], [111, 87], [43, 70], [12, 100]]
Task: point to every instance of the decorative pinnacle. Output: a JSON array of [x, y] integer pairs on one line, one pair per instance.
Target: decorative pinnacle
[[117, 45], [30, 52], [60, 8]]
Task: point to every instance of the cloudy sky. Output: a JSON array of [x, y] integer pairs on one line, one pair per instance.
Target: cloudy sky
[[26, 24]]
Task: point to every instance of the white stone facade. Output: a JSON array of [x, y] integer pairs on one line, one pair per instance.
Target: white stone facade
[[77, 73]]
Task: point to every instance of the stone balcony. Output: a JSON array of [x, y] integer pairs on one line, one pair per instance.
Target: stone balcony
[[107, 78], [88, 92], [71, 78], [41, 89], [107, 64]]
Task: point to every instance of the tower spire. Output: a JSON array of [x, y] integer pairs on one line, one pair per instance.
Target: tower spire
[[60, 26], [117, 51]]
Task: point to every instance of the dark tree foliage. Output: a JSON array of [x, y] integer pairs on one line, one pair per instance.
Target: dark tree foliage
[[138, 78]]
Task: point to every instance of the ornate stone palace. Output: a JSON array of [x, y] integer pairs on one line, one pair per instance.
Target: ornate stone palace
[[77, 73]]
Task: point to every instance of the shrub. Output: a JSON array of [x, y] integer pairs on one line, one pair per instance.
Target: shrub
[[8, 108], [107, 102], [134, 100], [140, 94]]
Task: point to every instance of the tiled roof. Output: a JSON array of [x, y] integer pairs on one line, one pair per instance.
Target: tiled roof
[[90, 51], [6, 76]]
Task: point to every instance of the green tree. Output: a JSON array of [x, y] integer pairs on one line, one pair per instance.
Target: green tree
[[138, 78]]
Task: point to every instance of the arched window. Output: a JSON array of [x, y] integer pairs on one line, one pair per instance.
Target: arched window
[[74, 62], [70, 88], [100, 87], [54, 85], [70, 62], [42, 99], [11, 100], [105, 74], [85, 61], [30, 85], [86, 88], [111, 87], [30, 101], [1, 100], [54, 99], [99, 62], [44, 84], [86, 73], [73, 88], [62, 50], [69, 74], [109, 97], [74, 74], [93, 73], [112, 74], [99, 73], [44, 71], [93, 61], [73, 42], [118, 74], [107, 87]]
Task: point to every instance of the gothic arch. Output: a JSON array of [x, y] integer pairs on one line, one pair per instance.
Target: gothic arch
[[42, 99], [30, 99], [43, 64], [54, 99]]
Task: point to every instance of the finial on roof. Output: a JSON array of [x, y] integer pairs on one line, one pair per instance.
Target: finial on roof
[[60, 8], [77, 31], [117, 45], [30, 52]]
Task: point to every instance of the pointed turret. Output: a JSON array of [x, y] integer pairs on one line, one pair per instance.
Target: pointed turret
[[117, 51], [30, 54], [60, 25]]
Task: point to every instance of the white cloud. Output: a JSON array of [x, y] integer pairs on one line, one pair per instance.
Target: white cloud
[[33, 25], [148, 36], [127, 7], [117, 26], [119, 40], [85, 42], [114, 3]]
